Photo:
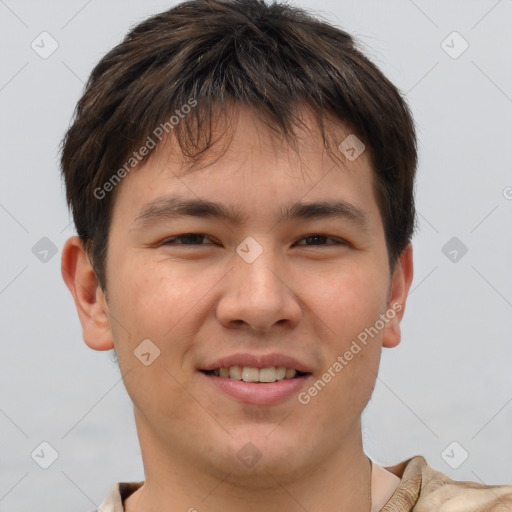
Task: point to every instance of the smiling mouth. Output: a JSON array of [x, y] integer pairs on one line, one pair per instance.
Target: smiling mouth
[[256, 375]]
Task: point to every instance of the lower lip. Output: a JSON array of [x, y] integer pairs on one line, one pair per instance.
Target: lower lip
[[266, 393]]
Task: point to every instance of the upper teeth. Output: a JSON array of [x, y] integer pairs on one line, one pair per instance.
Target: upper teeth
[[251, 374]]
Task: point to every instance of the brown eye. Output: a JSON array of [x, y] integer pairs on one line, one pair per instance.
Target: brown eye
[[317, 240], [188, 238]]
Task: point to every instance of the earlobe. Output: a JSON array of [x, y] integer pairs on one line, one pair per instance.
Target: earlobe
[[400, 284], [90, 301]]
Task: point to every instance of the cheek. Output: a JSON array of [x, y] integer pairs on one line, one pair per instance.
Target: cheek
[[157, 300], [352, 300], [351, 350], [150, 302], [144, 293], [356, 338]]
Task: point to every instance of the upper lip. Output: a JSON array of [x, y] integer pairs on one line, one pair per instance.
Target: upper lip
[[258, 361]]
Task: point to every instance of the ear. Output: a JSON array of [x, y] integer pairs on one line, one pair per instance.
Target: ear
[[400, 284], [90, 300]]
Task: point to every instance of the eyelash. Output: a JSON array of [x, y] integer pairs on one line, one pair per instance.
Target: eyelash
[[339, 241]]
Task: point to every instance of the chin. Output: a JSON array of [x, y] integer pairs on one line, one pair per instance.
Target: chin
[[259, 450], [269, 468]]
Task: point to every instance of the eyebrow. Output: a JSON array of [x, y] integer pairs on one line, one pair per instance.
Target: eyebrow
[[173, 207]]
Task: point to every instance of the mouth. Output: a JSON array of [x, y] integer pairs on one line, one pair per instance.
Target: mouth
[[258, 379], [257, 386], [252, 374]]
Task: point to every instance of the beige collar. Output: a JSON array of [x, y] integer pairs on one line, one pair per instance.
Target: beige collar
[[384, 484]]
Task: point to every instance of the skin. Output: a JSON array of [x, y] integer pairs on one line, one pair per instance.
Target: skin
[[200, 301]]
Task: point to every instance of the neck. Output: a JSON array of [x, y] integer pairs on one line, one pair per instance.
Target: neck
[[176, 482]]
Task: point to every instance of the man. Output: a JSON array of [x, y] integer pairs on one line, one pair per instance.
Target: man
[[241, 179]]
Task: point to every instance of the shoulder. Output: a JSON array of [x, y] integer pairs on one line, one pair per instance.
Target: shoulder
[[117, 495], [424, 489]]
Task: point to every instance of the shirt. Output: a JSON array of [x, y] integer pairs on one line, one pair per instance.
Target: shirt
[[410, 486]]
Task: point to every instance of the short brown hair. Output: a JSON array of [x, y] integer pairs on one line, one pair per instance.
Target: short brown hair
[[268, 57]]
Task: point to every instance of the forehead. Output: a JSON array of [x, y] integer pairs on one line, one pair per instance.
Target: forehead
[[250, 163]]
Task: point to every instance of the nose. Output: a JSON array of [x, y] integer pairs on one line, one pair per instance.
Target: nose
[[259, 295]]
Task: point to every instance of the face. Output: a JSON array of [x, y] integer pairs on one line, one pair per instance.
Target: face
[[263, 290]]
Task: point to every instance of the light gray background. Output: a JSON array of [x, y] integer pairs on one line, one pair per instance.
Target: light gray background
[[449, 380]]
